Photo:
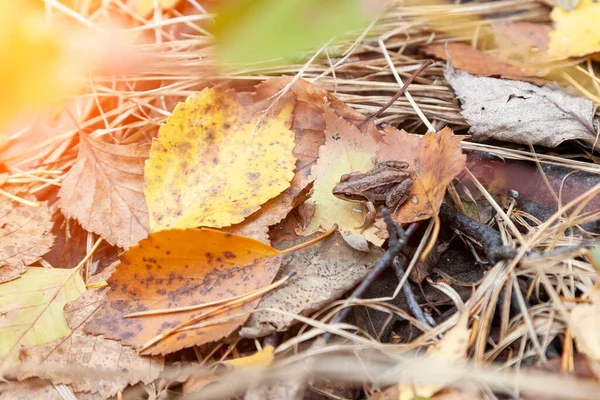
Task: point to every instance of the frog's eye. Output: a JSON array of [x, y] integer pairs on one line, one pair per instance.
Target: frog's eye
[[345, 177]]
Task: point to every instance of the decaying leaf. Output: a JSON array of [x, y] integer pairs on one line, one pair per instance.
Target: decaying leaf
[[217, 159], [434, 160], [322, 273], [346, 150], [453, 346], [585, 324], [576, 33], [104, 191], [179, 268], [81, 350], [520, 112], [32, 310], [24, 236], [469, 59]]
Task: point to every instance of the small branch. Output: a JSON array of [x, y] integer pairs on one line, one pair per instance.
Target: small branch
[[489, 237], [397, 241], [412, 302]]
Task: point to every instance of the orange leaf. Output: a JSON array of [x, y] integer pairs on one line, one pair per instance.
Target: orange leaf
[[178, 268], [435, 159], [104, 191]]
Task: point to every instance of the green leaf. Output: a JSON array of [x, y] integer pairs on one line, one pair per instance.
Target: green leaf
[[595, 258], [31, 310], [259, 30]]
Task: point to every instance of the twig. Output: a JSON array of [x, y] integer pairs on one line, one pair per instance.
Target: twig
[[400, 92], [413, 304], [397, 241], [489, 238]]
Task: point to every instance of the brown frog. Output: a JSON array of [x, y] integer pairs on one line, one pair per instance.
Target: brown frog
[[387, 183]]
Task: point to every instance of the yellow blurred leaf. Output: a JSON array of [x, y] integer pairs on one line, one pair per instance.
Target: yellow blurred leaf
[[32, 310], [34, 71], [145, 7], [217, 159], [576, 33], [256, 362]]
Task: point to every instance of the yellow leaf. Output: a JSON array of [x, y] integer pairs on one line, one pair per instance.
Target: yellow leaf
[[576, 33], [216, 160], [32, 310], [256, 362], [145, 7]]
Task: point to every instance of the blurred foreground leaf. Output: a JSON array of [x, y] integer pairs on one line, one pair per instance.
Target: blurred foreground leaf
[[258, 30]]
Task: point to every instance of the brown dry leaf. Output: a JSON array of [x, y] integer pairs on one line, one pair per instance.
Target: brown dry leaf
[[520, 42], [435, 159], [520, 112], [469, 59], [585, 324], [217, 159], [346, 150], [104, 191], [322, 273], [24, 236], [180, 268], [81, 350]]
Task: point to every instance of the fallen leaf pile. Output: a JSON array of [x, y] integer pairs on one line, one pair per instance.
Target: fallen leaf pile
[[217, 195]]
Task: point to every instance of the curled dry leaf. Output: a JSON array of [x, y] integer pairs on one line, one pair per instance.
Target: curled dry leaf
[[81, 350], [32, 310], [217, 159], [104, 191], [178, 268], [322, 273], [346, 150], [24, 236], [520, 112], [434, 160], [576, 33]]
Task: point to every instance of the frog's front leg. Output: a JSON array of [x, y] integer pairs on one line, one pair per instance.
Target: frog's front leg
[[370, 217]]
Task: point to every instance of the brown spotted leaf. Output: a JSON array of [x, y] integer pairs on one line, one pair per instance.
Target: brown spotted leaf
[[85, 351], [177, 268], [24, 236], [322, 273], [104, 191]]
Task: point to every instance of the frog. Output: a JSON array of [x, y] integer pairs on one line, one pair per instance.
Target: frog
[[388, 183]]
